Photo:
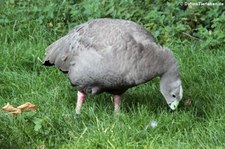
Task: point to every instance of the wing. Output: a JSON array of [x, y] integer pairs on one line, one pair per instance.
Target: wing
[[111, 55], [61, 52], [102, 51]]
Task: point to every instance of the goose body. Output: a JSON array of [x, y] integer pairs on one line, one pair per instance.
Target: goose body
[[111, 55]]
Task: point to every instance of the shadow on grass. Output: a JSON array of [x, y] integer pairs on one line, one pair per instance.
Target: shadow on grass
[[143, 96], [131, 101]]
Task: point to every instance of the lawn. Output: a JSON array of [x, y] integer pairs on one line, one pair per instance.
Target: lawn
[[23, 78]]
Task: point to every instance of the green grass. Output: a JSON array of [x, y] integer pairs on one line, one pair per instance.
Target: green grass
[[54, 125]]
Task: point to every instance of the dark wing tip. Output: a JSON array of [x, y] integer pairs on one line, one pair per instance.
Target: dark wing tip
[[63, 71], [47, 63]]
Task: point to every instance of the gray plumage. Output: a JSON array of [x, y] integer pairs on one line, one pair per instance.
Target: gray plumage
[[110, 55]]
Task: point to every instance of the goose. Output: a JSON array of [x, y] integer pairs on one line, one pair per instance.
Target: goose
[[113, 55]]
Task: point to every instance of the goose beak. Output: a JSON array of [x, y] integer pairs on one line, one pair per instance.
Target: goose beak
[[173, 105]]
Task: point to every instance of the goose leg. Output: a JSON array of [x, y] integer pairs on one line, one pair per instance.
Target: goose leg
[[80, 99], [117, 103]]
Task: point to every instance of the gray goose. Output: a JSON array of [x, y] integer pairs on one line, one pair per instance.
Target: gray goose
[[113, 55]]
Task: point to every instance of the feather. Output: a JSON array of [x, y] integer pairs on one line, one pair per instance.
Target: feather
[[109, 55]]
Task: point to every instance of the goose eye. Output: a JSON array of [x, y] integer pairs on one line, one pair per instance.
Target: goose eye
[[174, 96]]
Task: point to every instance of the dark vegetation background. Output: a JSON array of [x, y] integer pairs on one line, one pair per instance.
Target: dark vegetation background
[[166, 19], [196, 35]]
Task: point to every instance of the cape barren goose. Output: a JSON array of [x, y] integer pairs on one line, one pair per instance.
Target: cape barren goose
[[113, 55]]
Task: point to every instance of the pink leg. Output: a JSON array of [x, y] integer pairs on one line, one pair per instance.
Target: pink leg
[[80, 99], [117, 103]]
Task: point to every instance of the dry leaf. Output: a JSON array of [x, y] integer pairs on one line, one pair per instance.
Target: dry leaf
[[187, 102], [41, 147], [19, 109], [27, 106], [9, 108]]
